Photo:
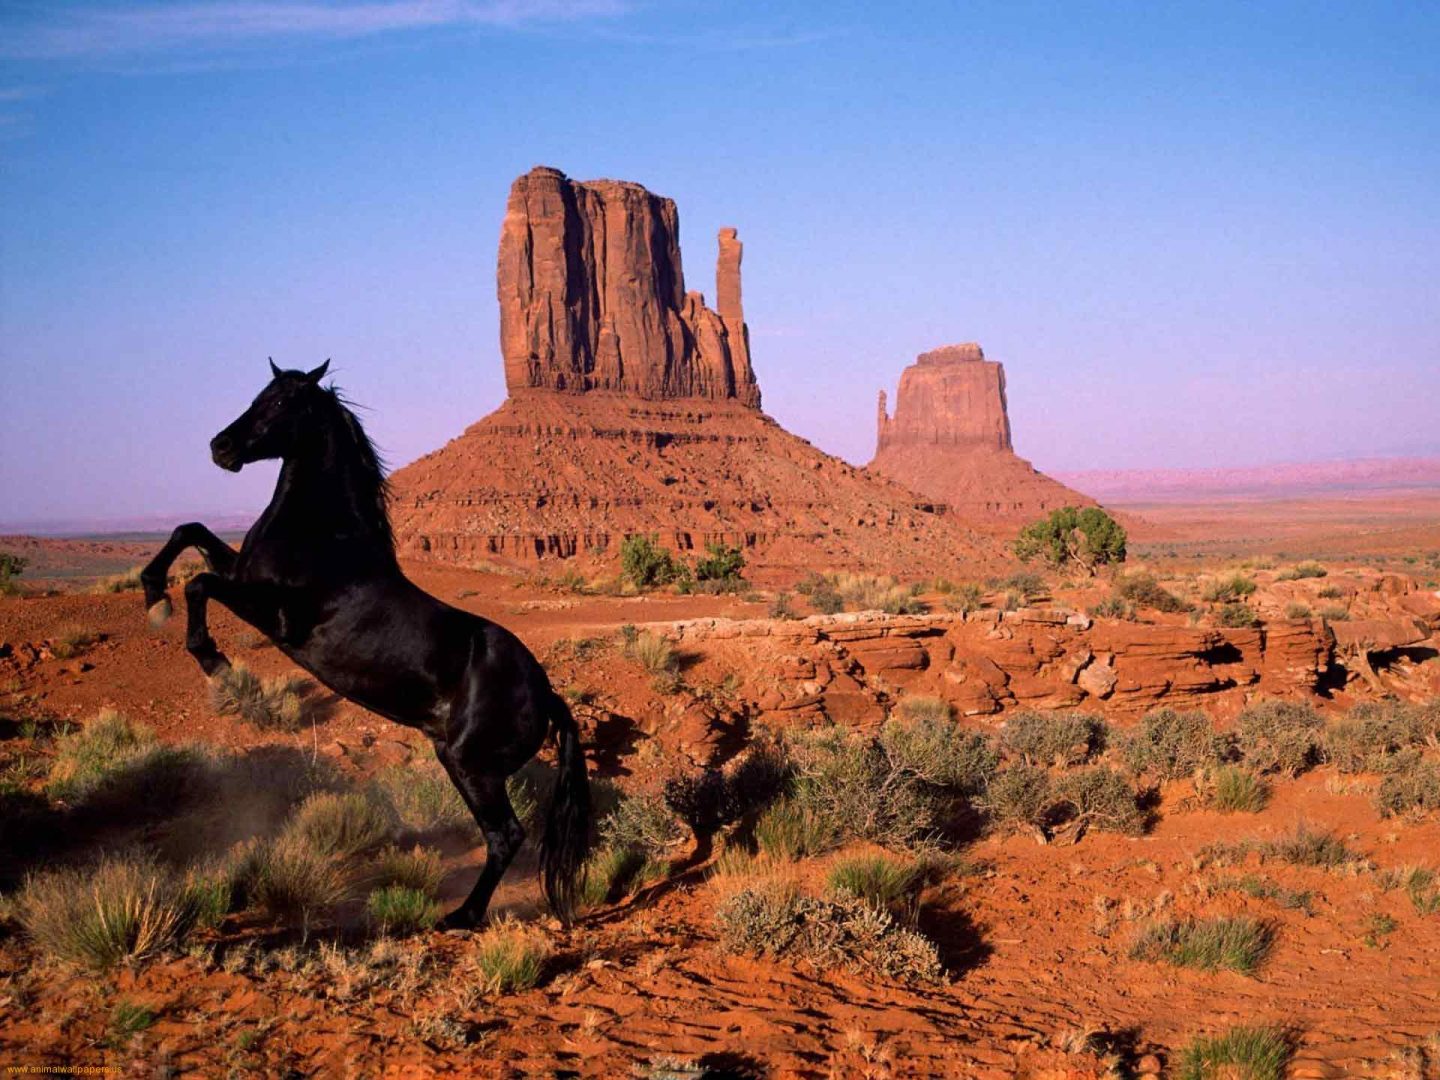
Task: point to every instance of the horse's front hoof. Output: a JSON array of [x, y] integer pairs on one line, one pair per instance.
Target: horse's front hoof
[[160, 612]]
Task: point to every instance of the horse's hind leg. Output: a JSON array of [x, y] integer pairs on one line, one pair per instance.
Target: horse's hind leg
[[219, 556], [484, 793]]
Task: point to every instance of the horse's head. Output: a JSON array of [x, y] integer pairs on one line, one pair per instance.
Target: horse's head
[[275, 422]]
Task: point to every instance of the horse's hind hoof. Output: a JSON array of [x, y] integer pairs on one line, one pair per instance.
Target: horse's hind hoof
[[459, 919], [160, 612]]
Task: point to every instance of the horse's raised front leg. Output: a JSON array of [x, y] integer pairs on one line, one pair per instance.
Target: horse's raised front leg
[[219, 556], [198, 591]]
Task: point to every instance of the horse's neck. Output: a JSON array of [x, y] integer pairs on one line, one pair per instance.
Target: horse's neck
[[315, 502]]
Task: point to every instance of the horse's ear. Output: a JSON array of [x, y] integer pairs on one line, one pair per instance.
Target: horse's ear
[[319, 373], [273, 369]]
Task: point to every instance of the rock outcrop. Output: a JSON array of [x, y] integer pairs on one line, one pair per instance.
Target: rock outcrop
[[633, 408], [950, 441], [592, 297]]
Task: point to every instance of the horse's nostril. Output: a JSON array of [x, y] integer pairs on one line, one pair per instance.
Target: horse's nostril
[[220, 442]]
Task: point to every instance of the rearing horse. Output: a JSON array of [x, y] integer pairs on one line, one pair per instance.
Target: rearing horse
[[317, 574]]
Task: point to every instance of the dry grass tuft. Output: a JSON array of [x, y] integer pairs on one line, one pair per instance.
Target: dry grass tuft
[[511, 956], [275, 704]]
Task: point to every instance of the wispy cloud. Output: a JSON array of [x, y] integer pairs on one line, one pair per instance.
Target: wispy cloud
[[109, 30]]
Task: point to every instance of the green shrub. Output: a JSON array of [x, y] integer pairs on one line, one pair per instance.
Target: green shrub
[[721, 563], [887, 884], [1144, 591], [419, 869], [85, 758], [1026, 584], [781, 607], [1414, 789], [1305, 847], [1374, 736], [340, 824], [611, 873], [1019, 796], [289, 879], [1170, 744], [1236, 616], [646, 565], [1112, 607], [1331, 592], [423, 799], [71, 641], [791, 830], [641, 823], [1238, 944], [1419, 883], [843, 931], [1333, 613], [1228, 590], [1265, 889], [400, 909], [853, 784], [1084, 538], [1301, 571], [11, 567], [919, 709], [1280, 736], [275, 704], [824, 597], [1297, 611], [655, 654], [1242, 1053], [124, 909], [1234, 790], [1097, 797], [1053, 739], [127, 1020], [964, 598], [511, 957], [941, 753]]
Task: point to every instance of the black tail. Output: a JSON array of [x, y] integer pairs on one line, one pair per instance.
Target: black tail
[[567, 827]]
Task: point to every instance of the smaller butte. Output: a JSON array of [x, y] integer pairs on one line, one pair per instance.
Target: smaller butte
[[950, 441]]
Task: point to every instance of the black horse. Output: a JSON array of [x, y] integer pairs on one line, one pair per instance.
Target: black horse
[[317, 574]]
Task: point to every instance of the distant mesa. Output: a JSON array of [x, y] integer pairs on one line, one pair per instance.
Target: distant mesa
[[633, 408], [950, 441], [592, 297]]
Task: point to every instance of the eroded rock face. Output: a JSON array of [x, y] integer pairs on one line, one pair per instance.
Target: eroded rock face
[[950, 441], [592, 297], [952, 397]]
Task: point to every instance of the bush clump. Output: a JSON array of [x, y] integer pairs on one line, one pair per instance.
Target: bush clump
[[775, 919], [1028, 796], [341, 824], [1084, 538], [290, 880], [884, 883], [1238, 944], [419, 869], [941, 754], [1412, 790], [124, 909], [400, 909], [1169, 744], [1059, 739], [84, 758], [1237, 616], [1228, 589], [276, 704], [510, 956], [1280, 736], [646, 565], [1144, 590], [11, 567], [1235, 790], [423, 799], [721, 564], [1242, 1053]]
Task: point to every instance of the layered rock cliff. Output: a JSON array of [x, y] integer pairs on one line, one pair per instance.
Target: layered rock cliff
[[950, 441], [592, 296]]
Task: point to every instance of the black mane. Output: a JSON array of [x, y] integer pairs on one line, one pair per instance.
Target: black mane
[[364, 472]]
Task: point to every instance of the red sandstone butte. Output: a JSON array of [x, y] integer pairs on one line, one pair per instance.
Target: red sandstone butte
[[592, 296], [633, 408], [949, 440]]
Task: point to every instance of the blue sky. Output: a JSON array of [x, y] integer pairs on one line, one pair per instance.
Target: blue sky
[[1196, 235]]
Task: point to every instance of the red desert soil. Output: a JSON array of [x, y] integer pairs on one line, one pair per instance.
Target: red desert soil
[[1035, 937]]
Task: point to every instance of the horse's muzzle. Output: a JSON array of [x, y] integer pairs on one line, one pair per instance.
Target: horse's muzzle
[[224, 454]]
